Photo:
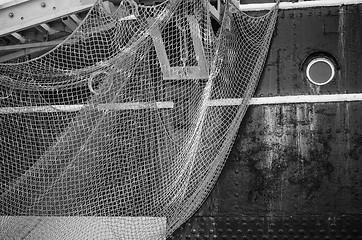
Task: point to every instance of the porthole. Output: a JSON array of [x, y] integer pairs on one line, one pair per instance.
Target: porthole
[[320, 71]]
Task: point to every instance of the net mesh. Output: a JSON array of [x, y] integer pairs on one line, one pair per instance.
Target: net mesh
[[121, 131]]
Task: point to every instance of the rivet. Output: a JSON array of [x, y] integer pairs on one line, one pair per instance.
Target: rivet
[[11, 14], [43, 4], [239, 231], [250, 231], [211, 231], [193, 231]]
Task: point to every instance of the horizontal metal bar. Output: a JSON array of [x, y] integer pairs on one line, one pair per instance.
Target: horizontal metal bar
[[78, 107], [352, 97], [296, 5]]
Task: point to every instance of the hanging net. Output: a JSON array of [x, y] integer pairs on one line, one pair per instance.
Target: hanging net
[[121, 131]]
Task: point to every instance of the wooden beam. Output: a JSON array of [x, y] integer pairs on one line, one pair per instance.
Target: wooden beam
[[19, 37], [48, 28], [72, 25], [76, 19]]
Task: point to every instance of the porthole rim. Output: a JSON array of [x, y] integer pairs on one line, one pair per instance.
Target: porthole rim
[[320, 59]]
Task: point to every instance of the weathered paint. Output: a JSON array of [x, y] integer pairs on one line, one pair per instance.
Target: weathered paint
[[295, 169]]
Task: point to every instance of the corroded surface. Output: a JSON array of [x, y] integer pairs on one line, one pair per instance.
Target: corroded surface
[[295, 169], [271, 228]]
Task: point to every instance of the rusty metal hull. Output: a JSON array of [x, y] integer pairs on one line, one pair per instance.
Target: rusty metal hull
[[295, 170]]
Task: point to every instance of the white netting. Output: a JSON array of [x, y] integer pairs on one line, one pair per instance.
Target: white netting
[[118, 132]]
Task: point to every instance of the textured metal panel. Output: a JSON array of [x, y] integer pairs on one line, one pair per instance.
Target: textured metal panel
[[272, 228], [302, 158], [301, 32], [295, 169]]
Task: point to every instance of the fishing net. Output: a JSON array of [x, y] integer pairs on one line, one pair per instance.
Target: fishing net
[[121, 131]]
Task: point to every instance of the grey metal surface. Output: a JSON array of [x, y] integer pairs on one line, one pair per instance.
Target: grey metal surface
[[295, 169]]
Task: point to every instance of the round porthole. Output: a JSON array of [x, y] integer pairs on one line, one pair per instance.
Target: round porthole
[[320, 71]]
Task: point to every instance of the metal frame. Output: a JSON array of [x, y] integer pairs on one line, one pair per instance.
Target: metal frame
[[188, 72], [18, 15]]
